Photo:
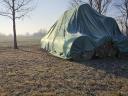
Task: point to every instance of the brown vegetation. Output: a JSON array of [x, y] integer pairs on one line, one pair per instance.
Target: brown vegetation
[[28, 71]]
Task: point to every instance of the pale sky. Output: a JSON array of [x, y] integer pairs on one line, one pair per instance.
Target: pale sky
[[44, 16]]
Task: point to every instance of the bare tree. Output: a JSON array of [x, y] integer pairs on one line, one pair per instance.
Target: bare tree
[[76, 2], [120, 21], [15, 9], [100, 5], [91, 3], [123, 8]]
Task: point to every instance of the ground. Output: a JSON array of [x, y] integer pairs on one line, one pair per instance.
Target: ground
[[30, 71]]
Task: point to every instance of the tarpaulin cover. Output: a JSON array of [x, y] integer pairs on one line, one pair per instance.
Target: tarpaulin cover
[[82, 29]]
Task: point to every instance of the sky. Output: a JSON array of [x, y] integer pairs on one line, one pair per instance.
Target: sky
[[42, 17]]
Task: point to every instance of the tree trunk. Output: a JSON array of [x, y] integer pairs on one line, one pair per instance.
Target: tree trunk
[[126, 19], [14, 32], [99, 6], [91, 4], [127, 24], [14, 26]]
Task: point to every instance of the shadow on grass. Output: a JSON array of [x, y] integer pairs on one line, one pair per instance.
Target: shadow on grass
[[118, 67]]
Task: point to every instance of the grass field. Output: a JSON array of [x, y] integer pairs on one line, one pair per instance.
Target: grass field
[[30, 71], [7, 41]]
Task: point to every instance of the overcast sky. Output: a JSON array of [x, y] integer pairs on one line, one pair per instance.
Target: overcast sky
[[44, 16]]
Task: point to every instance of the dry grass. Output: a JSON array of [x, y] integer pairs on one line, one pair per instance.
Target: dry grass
[[29, 71], [36, 73]]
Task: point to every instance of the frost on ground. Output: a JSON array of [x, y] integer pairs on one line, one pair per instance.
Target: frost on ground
[[29, 71]]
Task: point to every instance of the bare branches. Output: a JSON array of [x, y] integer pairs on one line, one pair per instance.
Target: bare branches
[[100, 5], [120, 21], [21, 8], [91, 3], [123, 8], [6, 14], [76, 2]]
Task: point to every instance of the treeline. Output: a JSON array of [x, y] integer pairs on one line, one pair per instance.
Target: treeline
[[40, 33]]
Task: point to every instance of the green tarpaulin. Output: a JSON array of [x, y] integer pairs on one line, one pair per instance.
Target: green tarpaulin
[[82, 29]]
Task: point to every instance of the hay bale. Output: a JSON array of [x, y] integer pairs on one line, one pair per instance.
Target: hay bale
[[106, 50], [77, 57], [123, 56], [87, 55]]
